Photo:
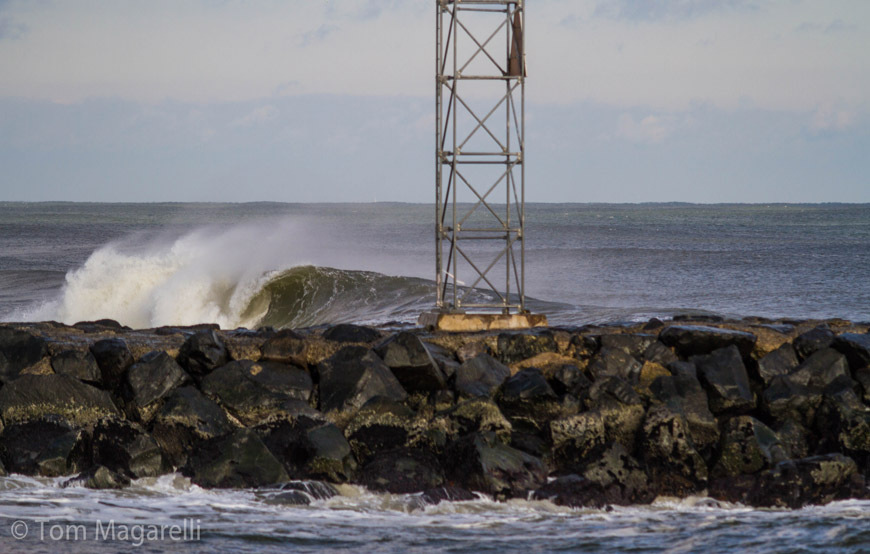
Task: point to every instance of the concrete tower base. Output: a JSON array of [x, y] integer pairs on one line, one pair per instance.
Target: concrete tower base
[[442, 321]]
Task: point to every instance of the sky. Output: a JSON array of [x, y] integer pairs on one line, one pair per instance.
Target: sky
[[333, 100]]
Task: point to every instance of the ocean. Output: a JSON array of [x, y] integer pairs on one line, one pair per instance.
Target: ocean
[[294, 265]]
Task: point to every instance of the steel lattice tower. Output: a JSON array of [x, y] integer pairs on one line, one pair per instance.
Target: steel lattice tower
[[480, 162]]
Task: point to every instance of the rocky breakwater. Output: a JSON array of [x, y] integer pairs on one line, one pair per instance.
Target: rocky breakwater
[[767, 413]]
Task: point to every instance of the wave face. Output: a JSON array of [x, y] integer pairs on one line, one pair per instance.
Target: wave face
[[247, 276]]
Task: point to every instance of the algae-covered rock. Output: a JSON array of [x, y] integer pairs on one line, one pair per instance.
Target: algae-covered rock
[[812, 341], [79, 364], [237, 460], [380, 425], [125, 447], [675, 465], [99, 478], [724, 376], [778, 363], [683, 394], [576, 440], [855, 347], [480, 376], [620, 476], [48, 447], [150, 379], [19, 350], [33, 397], [353, 376], [310, 449], [748, 446], [620, 408], [692, 340], [612, 362], [411, 363], [402, 471], [202, 353], [347, 332], [517, 346], [114, 359]]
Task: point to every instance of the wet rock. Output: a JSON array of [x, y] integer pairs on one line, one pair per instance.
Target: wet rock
[[381, 424], [47, 447], [310, 448], [202, 353], [19, 350], [402, 471], [781, 361], [572, 491], [77, 363], [569, 379], [855, 347], [301, 493], [186, 419], [614, 363], [748, 446], [475, 415], [32, 397], [480, 376], [660, 354], [786, 400], [863, 378], [633, 345], [518, 346], [683, 394], [820, 369], [795, 483], [471, 350], [482, 463], [254, 392], [345, 332], [286, 347], [676, 467], [724, 376], [411, 363], [114, 359], [842, 422], [812, 341], [99, 478], [529, 401], [795, 438], [447, 493], [100, 326], [353, 376], [620, 476], [585, 346], [444, 358], [693, 340], [620, 408], [150, 379], [125, 447], [237, 460], [576, 440]]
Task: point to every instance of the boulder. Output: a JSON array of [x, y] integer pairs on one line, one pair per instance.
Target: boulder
[[471, 350], [620, 408], [99, 478], [237, 460], [614, 363], [780, 362], [19, 350], [812, 341], [48, 447], [346, 332], [517, 346], [480, 462], [529, 402], [32, 397], [620, 476], [842, 422], [795, 483], [577, 439], [154, 376], [863, 378], [444, 358], [310, 449], [820, 369], [855, 347], [125, 447], [286, 347], [748, 446], [186, 419], [634, 345], [402, 471], [480, 376], [660, 354], [254, 392], [77, 363], [202, 353], [300, 493], [585, 346], [114, 359], [572, 491], [724, 376], [475, 415], [675, 465], [569, 379], [785, 400], [693, 340], [380, 425], [447, 493], [353, 376], [683, 394], [411, 363]]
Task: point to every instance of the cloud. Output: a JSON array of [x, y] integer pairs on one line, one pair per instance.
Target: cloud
[[835, 26], [257, 116], [317, 35], [652, 129], [657, 10], [9, 29], [828, 119]]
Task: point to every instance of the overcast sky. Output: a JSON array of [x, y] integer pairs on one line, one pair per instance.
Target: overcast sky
[[332, 100]]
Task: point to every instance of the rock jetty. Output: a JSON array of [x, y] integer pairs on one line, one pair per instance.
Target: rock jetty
[[761, 412]]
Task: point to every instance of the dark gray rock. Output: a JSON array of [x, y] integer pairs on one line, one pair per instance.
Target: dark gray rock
[[620, 408], [620, 476], [353, 376], [471, 350], [748, 446], [402, 471], [125, 447], [724, 376], [202, 353], [683, 394], [529, 402], [569, 379], [820, 369], [480, 462], [577, 439], [346, 332], [448, 493], [46, 447], [675, 465], [614, 363], [781, 361], [785, 400], [411, 363], [114, 359], [99, 478], [19, 350], [855, 347], [572, 491], [445, 359], [237, 460], [660, 354], [812, 341], [585, 346], [185, 420], [480, 376], [300, 493], [310, 449], [77, 363], [286, 347], [381, 424], [255, 392], [633, 345], [521, 345], [154, 376], [32, 397], [693, 340], [863, 378]]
